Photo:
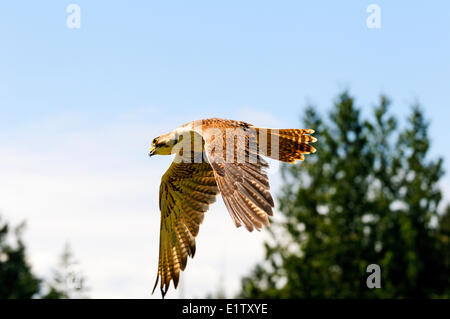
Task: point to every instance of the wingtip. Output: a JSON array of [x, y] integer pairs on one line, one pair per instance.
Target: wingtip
[[163, 292], [176, 279], [164, 289], [156, 284]]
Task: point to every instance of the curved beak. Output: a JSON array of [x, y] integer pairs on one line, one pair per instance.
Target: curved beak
[[152, 151]]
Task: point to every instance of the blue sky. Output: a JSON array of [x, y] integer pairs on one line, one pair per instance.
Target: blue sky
[[79, 106]]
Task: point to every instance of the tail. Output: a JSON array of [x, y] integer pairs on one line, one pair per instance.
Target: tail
[[286, 145]]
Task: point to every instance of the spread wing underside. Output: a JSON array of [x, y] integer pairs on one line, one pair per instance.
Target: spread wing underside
[[186, 191]]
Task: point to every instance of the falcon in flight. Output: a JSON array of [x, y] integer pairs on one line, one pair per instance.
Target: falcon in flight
[[215, 156]]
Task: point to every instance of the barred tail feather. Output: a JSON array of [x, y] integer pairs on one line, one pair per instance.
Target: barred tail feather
[[286, 145]]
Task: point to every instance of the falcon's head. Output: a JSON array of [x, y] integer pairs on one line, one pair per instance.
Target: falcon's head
[[163, 145]]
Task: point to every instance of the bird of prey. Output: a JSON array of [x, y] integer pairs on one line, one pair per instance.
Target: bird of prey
[[215, 156]]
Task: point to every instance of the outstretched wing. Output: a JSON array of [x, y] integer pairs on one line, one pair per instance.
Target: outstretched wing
[[240, 172], [234, 150], [186, 191]]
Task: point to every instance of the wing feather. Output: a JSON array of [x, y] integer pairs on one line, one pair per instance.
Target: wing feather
[[240, 173], [186, 191]]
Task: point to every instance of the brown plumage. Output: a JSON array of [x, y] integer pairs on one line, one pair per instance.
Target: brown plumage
[[212, 156]]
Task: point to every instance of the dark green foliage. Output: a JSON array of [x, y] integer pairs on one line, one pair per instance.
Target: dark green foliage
[[368, 196], [16, 277], [443, 246]]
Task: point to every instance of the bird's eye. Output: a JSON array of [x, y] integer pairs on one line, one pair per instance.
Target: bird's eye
[[154, 141]]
